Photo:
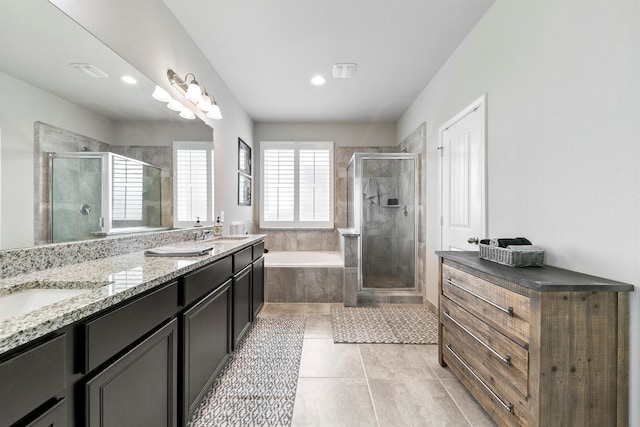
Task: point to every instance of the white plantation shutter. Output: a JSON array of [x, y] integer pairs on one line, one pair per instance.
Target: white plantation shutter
[[127, 190], [315, 182], [279, 191], [297, 184], [193, 183]]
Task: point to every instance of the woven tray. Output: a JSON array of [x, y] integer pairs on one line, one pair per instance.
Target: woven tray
[[511, 258]]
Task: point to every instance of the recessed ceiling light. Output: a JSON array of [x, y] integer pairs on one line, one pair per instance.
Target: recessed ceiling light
[[128, 79], [318, 80]]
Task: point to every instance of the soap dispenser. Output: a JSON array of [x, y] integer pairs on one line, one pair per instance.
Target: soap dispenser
[[198, 223], [217, 228]]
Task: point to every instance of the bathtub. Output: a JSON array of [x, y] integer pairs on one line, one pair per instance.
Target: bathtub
[[303, 259], [304, 277]]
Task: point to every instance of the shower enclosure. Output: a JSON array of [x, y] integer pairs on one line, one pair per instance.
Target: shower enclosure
[[382, 206], [95, 194]]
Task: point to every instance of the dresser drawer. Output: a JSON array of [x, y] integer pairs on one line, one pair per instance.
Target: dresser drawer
[[241, 259], [505, 310], [505, 410], [495, 357], [205, 280]]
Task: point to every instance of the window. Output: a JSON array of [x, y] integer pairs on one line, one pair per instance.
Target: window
[[297, 184], [192, 183], [127, 189]]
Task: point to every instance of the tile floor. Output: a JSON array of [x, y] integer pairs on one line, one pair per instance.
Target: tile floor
[[373, 384]]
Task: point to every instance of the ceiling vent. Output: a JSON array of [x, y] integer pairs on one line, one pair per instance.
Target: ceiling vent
[[344, 71], [89, 69]]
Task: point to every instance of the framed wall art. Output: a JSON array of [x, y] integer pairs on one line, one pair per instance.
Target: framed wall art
[[244, 157], [244, 190]]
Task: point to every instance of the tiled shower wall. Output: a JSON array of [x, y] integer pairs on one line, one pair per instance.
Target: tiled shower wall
[[51, 139]]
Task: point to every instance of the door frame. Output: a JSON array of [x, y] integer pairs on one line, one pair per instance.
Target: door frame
[[481, 105]]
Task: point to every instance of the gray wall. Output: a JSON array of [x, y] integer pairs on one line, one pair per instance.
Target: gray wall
[[563, 131]]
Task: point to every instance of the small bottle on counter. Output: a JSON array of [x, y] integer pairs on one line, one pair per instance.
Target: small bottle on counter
[[198, 223], [217, 228]]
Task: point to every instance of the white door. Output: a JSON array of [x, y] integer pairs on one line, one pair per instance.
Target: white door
[[462, 179]]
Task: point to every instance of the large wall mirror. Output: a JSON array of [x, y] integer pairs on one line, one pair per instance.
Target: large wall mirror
[[49, 105]]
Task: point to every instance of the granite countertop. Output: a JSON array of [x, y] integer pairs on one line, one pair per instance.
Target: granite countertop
[[545, 278], [109, 280]]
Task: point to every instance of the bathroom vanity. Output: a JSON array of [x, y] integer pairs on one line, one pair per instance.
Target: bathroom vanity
[[141, 347], [536, 346]]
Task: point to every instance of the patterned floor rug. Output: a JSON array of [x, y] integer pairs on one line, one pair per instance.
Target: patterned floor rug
[[391, 325], [258, 385]]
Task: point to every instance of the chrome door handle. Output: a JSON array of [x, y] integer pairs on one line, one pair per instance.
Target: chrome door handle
[[508, 310], [473, 240]]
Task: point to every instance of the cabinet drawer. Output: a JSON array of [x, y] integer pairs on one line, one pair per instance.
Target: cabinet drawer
[[242, 258], [504, 363], [258, 250], [205, 280], [54, 417], [503, 409], [112, 332], [31, 378], [505, 310]]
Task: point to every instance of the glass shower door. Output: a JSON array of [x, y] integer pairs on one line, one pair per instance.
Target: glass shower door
[[388, 222], [76, 198]]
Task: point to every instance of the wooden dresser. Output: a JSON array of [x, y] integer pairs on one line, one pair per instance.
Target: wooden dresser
[[536, 346]]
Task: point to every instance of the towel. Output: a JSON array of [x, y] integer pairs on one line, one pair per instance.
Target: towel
[[371, 191], [503, 243], [178, 252]]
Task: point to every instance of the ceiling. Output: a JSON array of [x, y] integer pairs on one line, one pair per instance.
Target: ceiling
[[267, 50]]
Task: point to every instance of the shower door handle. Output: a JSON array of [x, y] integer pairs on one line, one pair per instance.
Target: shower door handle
[[473, 240]]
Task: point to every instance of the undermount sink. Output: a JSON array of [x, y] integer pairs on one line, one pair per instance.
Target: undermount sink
[[22, 302]]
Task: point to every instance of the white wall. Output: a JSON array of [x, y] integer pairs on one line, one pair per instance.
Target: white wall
[[562, 79], [146, 34], [21, 106], [343, 134]]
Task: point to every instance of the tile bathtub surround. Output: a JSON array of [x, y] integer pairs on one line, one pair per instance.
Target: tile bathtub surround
[[304, 284], [112, 278]]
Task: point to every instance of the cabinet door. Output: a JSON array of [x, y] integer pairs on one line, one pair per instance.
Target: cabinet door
[[140, 388], [258, 286], [206, 334], [241, 303]]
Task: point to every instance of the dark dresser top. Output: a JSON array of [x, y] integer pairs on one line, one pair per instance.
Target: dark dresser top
[[545, 278]]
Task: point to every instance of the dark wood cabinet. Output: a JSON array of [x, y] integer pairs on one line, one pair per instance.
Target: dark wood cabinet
[[206, 331], [56, 416], [30, 378], [258, 286], [242, 314], [139, 388]]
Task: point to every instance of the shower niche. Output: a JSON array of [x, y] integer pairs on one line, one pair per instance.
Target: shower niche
[[382, 207], [97, 194]]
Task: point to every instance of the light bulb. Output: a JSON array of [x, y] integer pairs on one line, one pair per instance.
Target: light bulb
[[187, 114], [205, 104], [161, 94], [214, 112], [175, 105], [194, 92]]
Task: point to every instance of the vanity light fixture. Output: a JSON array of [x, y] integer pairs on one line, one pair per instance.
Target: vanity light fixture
[[161, 94], [195, 93]]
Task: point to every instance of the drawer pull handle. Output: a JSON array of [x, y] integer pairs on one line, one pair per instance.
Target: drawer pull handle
[[506, 359], [507, 407], [508, 310]]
